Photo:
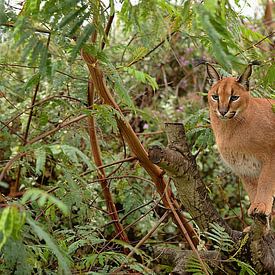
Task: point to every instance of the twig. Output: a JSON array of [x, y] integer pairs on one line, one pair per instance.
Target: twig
[[125, 176], [142, 241], [43, 212], [31, 113], [10, 163], [135, 209], [40, 103], [108, 165], [149, 234], [149, 133], [168, 37], [107, 30], [11, 25], [125, 152], [128, 226], [11, 130], [56, 129], [36, 67], [257, 43]]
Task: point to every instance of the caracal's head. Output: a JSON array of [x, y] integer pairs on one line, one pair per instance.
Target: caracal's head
[[228, 97]]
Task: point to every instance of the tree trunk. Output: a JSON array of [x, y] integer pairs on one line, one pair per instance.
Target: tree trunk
[[258, 248]]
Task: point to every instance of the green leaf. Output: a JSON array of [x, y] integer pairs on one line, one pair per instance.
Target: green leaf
[[62, 259], [245, 268], [32, 81], [142, 77], [40, 155], [11, 222], [71, 16], [3, 221], [34, 194], [269, 78], [138, 54], [3, 16], [73, 153], [31, 7], [75, 27], [193, 265], [86, 34]]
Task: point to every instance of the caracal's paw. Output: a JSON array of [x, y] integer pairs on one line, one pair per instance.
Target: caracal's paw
[[260, 208]]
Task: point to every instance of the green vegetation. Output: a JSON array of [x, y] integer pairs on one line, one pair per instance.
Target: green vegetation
[[63, 203]]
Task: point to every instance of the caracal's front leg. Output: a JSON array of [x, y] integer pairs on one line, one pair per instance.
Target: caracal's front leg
[[250, 186], [263, 200]]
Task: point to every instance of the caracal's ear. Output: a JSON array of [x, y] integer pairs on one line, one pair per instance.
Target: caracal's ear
[[212, 73], [244, 78]]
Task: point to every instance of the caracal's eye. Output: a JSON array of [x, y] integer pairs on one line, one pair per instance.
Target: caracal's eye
[[215, 97], [234, 97]]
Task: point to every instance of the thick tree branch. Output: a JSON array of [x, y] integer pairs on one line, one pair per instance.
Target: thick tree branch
[[179, 258], [178, 162]]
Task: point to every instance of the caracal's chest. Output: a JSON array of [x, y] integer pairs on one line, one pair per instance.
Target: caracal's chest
[[242, 163], [240, 149]]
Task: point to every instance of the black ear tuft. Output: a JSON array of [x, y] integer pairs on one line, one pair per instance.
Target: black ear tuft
[[212, 73], [244, 78]]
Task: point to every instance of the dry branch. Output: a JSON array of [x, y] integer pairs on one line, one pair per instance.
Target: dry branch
[[134, 143], [96, 152]]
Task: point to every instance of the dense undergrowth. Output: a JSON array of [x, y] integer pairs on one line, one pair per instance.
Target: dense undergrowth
[[54, 213]]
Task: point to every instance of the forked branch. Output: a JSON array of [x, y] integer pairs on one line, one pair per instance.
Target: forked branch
[[134, 143]]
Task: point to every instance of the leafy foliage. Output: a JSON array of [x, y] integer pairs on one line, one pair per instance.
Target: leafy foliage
[[221, 239], [61, 224]]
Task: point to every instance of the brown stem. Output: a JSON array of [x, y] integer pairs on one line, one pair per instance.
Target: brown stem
[[168, 37], [31, 114], [56, 129], [15, 186], [10, 163], [101, 172], [109, 164], [107, 30], [183, 229], [142, 241], [132, 139], [149, 234], [11, 25], [6, 125], [257, 43]]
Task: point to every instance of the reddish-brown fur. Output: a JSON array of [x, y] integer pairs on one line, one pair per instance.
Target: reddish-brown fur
[[244, 130]]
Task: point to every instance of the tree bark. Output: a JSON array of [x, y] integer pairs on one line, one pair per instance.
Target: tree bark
[[176, 160]]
